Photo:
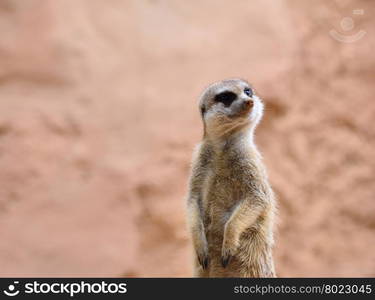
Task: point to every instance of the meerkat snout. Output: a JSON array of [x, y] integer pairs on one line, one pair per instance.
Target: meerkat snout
[[247, 104]]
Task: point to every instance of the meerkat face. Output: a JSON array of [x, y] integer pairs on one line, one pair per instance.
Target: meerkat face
[[230, 106]]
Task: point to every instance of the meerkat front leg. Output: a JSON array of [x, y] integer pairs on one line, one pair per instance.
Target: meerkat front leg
[[201, 161], [198, 232], [243, 217]]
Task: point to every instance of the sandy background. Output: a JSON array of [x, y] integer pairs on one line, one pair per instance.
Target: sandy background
[[98, 119]]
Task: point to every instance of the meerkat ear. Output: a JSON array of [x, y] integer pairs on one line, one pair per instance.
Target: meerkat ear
[[203, 110]]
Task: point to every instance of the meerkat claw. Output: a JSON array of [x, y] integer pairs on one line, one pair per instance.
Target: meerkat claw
[[203, 262], [225, 260]]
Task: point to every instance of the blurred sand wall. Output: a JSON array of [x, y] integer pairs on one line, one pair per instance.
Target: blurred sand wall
[[98, 119]]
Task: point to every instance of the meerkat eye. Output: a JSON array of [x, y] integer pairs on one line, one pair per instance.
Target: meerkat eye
[[248, 92], [226, 98]]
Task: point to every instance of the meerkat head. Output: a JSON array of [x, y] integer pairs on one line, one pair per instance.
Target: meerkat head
[[229, 107]]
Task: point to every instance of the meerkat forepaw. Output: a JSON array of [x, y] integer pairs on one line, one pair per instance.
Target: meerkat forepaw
[[201, 248], [203, 259], [225, 260], [228, 252], [204, 262]]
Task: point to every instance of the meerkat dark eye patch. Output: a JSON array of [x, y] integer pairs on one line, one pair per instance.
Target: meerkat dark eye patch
[[226, 98]]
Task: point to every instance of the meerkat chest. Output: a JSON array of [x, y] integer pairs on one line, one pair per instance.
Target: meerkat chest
[[227, 183]]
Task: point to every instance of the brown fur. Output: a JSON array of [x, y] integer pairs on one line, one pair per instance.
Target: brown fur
[[230, 204]]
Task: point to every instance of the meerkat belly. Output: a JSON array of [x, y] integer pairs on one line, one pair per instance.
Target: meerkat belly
[[223, 194]]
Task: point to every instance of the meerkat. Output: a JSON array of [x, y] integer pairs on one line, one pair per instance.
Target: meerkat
[[230, 204]]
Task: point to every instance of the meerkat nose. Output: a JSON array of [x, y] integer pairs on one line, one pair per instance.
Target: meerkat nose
[[248, 103]]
